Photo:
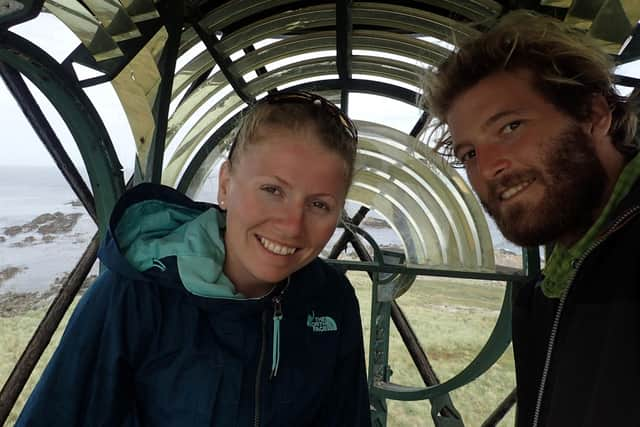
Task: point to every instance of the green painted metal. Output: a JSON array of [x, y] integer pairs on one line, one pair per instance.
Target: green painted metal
[[77, 111], [379, 370], [421, 270], [489, 354], [440, 403], [16, 12], [167, 65], [531, 261]]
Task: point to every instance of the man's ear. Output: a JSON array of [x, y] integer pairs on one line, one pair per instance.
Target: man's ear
[[223, 182], [600, 116]]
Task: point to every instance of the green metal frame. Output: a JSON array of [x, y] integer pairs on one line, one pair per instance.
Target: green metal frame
[[379, 375], [78, 113]]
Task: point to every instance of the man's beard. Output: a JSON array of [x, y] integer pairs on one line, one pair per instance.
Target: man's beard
[[574, 182]]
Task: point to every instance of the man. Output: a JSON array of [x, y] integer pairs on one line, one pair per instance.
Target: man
[[530, 111]]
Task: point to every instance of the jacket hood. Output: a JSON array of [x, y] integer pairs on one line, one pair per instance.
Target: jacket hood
[[153, 225]]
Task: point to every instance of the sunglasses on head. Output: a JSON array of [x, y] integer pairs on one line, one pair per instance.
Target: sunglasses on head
[[302, 97]]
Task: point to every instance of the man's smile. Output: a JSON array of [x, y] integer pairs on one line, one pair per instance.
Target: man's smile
[[514, 189]]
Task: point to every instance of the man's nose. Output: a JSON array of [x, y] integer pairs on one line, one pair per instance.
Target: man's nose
[[492, 159]]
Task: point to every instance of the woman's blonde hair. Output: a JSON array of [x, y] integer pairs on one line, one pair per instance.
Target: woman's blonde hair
[[568, 69], [299, 111]]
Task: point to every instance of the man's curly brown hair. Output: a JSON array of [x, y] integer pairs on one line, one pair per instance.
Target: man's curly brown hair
[[567, 66]]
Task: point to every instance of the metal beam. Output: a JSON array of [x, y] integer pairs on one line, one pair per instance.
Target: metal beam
[[42, 336], [223, 62], [419, 357], [196, 84], [498, 414], [42, 128], [348, 235], [78, 113], [171, 12], [365, 86], [419, 126], [344, 30], [203, 153], [112, 67]]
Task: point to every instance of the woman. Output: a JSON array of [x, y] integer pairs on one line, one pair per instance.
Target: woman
[[223, 315]]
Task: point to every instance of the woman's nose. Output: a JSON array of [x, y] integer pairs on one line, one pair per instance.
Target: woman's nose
[[291, 220]]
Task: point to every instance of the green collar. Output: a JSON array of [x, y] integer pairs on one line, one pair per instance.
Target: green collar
[[559, 270], [152, 230]]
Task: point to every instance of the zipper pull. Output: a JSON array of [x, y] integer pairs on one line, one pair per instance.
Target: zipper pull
[[277, 317]]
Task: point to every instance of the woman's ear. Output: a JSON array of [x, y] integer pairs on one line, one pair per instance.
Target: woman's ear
[[600, 116], [223, 183]]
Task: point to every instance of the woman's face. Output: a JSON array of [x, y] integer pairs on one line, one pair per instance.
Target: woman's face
[[283, 196]]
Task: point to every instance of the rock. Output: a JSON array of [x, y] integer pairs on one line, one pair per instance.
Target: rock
[[60, 224], [46, 223], [9, 272], [375, 223], [44, 218], [13, 230]]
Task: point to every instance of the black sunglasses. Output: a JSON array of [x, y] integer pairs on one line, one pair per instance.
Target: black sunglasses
[[302, 97]]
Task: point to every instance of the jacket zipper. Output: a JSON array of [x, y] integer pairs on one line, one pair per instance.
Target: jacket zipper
[[277, 316], [256, 414], [556, 321]]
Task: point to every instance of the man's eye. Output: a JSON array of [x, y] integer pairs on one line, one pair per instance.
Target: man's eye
[[465, 156], [511, 126]]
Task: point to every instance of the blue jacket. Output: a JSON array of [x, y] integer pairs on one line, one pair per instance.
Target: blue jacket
[[162, 338]]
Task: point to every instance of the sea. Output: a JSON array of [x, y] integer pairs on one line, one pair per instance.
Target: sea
[[44, 230]]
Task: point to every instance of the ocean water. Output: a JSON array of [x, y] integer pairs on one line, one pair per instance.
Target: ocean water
[[32, 261]]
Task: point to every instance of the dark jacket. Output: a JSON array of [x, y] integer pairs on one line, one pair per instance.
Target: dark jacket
[[162, 339], [594, 371]]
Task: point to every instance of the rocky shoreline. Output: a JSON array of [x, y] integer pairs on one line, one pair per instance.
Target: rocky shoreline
[[47, 226], [14, 303]]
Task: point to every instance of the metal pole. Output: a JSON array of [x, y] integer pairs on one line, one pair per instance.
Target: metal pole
[[41, 126], [42, 336], [347, 235], [498, 414]]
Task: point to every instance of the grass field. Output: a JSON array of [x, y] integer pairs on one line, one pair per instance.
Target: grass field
[[452, 319]]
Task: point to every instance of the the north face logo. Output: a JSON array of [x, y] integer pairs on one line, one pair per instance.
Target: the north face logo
[[321, 323]]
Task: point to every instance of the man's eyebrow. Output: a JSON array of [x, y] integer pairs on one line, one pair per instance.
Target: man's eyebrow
[[491, 120]]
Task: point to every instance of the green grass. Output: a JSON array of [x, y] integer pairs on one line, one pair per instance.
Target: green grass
[[452, 318], [15, 333]]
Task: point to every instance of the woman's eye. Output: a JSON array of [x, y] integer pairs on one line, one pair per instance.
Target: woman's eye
[[271, 189], [510, 127], [320, 205]]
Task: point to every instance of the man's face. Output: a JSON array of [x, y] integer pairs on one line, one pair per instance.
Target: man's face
[[534, 168]]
